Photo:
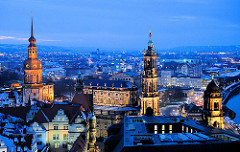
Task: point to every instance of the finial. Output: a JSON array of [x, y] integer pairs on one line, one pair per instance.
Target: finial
[[213, 77], [150, 35]]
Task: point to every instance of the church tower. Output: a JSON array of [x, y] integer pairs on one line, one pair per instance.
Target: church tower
[[33, 86], [150, 95], [91, 132], [213, 113]]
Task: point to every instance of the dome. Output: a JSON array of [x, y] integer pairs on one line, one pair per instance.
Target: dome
[[212, 86], [32, 39], [32, 64]]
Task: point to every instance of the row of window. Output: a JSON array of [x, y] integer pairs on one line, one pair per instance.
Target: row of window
[[56, 136], [65, 127]]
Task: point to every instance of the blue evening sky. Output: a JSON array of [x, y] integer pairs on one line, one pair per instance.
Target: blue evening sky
[[121, 23]]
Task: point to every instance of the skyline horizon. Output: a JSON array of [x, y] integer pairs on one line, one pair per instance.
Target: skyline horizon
[[94, 24]]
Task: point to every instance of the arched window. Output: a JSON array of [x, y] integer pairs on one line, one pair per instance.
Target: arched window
[[216, 106]]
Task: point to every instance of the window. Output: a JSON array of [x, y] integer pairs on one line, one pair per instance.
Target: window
[[56, 145], [39, 143], [39, 135], [55, 127], [65, 127], [55, 136], [79, 129], [216, 106], [170, 129], [65, 136], [155, 129]]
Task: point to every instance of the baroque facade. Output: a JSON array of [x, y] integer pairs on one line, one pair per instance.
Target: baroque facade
[[111, 92]]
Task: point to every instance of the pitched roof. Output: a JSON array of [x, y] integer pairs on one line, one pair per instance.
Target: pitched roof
[[86, 100], [48, 114], [79, 144], [19, 112]]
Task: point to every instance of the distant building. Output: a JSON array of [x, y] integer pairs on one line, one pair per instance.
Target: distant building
[[192, 111], [120, 65], [192, 82], [169, 79], [33, 86], [54, 73], [190, 69], [127, 76], [111, 92], [166, 78], [169, 134], [11, 95]]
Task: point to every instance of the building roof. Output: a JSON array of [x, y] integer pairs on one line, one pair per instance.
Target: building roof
[[108, 83], [137, 135], [20, 112], [47, 114], [79, 144], [86, 100]]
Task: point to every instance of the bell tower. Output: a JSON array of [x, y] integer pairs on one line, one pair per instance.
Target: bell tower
[[150, 95], [33, 88], [32, 66], [213, 113]]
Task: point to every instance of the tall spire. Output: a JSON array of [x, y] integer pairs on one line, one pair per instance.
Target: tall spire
[[150, 35], [32, 39], [32, 25]]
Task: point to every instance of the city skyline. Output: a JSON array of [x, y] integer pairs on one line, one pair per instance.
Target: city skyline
[[122, 24]]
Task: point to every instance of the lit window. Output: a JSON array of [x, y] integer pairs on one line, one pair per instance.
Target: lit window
[[163, 127], [56, 145], [170, 127], [155, 127]]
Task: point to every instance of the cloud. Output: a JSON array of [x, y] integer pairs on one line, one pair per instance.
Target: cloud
[[24, 39], [181, 18]]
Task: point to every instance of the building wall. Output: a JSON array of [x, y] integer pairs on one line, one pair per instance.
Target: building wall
[[109, 97]]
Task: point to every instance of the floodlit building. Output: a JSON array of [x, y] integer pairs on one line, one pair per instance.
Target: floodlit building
[[213, 113], [111, 92], [34, 88], [150, 94]]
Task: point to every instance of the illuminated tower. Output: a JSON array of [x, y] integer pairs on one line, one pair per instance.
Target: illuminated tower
[[150, 95], [33, 86], [213, 112], [91, 132]]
